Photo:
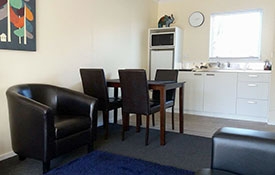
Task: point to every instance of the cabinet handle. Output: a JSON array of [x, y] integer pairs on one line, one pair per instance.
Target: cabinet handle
[[251, 102], [197, 74], [253, 76], [210, 74], [252, 85]]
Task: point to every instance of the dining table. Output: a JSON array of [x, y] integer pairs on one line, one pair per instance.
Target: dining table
[[162, 87]]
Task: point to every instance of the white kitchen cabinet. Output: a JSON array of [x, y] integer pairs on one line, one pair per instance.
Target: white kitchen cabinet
[[193, 90], [220, 91], [253, 94], [233, 95], [164, 49]]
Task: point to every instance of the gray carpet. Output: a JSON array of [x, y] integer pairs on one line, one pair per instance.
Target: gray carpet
[[181, 151]]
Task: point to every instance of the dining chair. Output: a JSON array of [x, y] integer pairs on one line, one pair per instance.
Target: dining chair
[[165, 75], [94, 84], [135, 95]]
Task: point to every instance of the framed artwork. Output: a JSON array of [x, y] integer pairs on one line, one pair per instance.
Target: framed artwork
[[17, 25]]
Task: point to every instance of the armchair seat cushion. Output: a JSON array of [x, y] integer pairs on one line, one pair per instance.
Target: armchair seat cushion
[[66, 125]]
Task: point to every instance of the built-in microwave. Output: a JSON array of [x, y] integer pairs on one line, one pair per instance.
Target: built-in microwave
[[162, 40]]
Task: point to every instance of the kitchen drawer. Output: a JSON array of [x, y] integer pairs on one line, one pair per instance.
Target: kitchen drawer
[[253, 90], [257, 108], [254, 77]]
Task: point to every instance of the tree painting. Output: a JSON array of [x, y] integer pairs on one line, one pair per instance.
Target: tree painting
[[17, 25]]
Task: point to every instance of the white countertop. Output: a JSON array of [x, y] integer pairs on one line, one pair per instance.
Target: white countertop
[[227, 70]]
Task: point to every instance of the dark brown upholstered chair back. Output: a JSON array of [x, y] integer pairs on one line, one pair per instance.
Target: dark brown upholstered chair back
[[166, 75], [47, 121], [94, 84], [136, 99], [135, 92]]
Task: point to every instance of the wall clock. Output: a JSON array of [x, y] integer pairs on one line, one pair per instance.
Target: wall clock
[[196, 19]]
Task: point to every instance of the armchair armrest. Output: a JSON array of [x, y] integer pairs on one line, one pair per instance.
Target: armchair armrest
[[29, 120]]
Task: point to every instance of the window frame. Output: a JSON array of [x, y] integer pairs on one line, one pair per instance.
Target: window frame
[[250, 58]]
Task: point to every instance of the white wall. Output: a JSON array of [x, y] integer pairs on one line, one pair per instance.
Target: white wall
[[71, 34]]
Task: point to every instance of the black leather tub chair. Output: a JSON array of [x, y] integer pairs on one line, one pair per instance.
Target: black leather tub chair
[[47, 121], [237, 151]]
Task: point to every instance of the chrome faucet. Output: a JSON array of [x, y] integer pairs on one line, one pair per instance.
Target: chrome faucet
[[228, 64], [218, 64]]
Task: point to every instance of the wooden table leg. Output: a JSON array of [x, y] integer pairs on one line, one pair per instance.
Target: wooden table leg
[[181, 117], [162, 115], [115, 111]]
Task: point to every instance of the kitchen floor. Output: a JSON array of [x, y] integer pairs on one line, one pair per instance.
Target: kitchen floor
[[204, 126]]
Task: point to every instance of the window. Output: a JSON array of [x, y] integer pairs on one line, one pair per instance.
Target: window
[[235, 35]]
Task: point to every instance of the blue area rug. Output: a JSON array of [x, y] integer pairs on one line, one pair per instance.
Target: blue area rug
[[102, 163]]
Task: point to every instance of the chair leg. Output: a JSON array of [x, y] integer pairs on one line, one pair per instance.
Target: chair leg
[[125, 117], [138, 119], [94, 125], [147, 129], [153, 119], [106, 123], [127, 122], [173, 125], [21, 158], [46, 166], [115, 116]]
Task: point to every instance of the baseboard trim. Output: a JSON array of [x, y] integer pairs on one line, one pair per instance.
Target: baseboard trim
[[227, 116], [7, 155]]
